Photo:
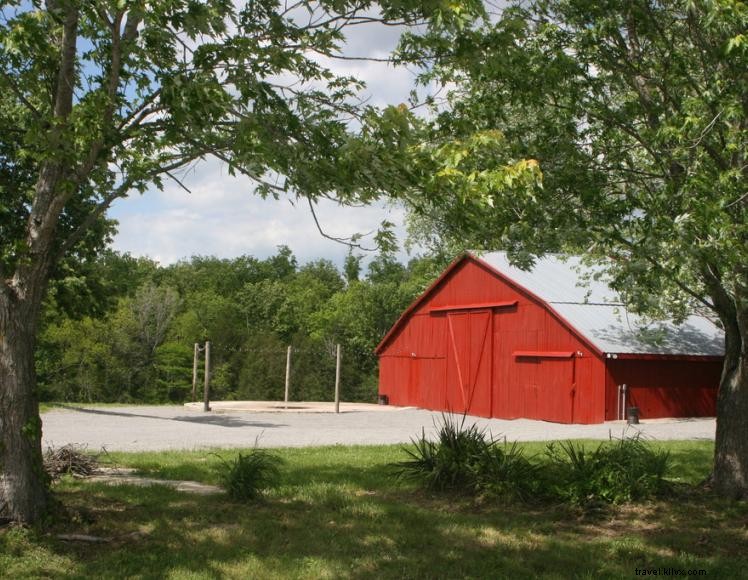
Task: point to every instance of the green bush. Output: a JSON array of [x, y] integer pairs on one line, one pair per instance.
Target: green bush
[[467, 460], [619, 471], [504, 471], [449, 463], [249, 475]]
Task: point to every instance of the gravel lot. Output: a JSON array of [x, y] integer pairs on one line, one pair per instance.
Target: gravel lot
[[144, 428]]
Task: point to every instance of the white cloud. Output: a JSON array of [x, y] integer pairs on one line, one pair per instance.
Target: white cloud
[[223, 217]]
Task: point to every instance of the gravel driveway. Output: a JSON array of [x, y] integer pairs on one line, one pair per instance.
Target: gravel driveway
[[144, 428]]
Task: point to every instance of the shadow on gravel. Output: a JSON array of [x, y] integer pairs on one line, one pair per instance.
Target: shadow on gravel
[[224, 421], [219, 420]]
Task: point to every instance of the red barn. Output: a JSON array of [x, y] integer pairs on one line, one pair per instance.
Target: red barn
[[552, 343]]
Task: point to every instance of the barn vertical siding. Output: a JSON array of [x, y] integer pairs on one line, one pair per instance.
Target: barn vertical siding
[[464, 359], [477, 343], [666, 388]]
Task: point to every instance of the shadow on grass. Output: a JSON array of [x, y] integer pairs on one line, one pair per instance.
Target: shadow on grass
[[340, 514], [341, 533]]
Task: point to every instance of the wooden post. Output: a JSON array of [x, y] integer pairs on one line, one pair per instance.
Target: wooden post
[[288, 375], [206, 393], [338, 358], [194, 371]]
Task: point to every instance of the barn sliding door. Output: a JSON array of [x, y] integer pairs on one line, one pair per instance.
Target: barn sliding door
[[469, 362]]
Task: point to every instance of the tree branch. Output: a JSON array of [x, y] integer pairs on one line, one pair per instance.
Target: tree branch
[[223, 157], [120, 191], [177, 181], [345, 241], [724, 305], [111, 85], [76, 235], [63, 104], [737, 201], [140, 112]]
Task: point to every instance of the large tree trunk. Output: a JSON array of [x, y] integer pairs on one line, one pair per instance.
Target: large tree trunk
[[23, 483], [730, 475]]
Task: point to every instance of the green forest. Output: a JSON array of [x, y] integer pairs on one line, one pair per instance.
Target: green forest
[[123, 329]]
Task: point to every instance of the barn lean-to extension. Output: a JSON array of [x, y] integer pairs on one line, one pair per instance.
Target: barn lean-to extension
[[552, 343]]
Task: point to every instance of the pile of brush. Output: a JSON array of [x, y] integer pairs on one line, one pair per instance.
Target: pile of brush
[[69, 459]]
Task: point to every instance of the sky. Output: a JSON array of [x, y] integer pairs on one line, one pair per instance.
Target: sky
[[223, 217]]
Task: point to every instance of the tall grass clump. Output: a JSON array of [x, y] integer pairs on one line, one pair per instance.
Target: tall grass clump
[[447, 463], [504, 471], [466, 459], [622, 470], [247, 476]]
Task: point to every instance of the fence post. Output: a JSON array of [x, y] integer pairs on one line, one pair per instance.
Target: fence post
[[338, 358], [288, 375], [194, 371], [206, 400]]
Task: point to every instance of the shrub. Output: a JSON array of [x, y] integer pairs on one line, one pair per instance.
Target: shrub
[[467, 459], [504, 471], [249, 475], [449, 463], [623, 470]]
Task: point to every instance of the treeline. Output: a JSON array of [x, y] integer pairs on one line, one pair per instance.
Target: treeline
[[123, 329]]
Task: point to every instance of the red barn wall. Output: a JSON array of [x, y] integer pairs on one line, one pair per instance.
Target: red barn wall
[[464, 360], [664, 387]]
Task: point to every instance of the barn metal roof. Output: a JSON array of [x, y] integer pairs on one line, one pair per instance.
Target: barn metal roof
[[596, 311]]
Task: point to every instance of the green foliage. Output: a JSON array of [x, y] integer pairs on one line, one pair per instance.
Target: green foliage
[[140, 347], [262, 367], [634, 112], [352, 267], [465, 459], [249, 475], [32, 429], [505, 472], [150, 91], [172, 370], [449, 463], [625, 470]]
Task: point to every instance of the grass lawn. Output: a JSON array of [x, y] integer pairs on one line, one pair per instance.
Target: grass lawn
[[338, 514]]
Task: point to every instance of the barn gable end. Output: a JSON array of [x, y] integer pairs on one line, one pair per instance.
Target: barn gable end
[[480, 342]]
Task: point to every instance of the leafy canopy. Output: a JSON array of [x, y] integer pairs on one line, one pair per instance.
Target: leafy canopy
[[102, 98], [634, 111]]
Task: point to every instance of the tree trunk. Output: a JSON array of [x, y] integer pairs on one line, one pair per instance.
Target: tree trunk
[[730, 476], [23, 482]]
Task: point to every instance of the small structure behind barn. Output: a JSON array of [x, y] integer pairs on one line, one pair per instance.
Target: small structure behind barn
[[552, 343]]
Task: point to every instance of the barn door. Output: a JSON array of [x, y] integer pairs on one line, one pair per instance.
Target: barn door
[[545, 385], [469, 362]]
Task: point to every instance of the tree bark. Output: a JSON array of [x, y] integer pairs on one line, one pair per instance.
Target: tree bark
[[23, 482], [730, 476]]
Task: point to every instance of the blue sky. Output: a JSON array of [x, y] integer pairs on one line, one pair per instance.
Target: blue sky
[[222, 216]]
